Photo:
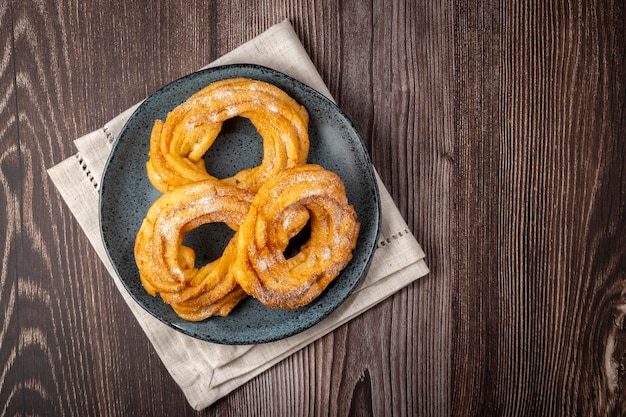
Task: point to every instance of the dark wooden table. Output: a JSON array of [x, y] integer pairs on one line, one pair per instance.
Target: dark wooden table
[[498, 127]]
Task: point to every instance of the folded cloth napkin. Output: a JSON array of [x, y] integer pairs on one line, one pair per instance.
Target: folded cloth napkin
[[208, 371]]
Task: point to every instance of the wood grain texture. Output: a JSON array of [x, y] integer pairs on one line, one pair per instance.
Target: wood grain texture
[[10, 171], [539, 93], [499, 130]]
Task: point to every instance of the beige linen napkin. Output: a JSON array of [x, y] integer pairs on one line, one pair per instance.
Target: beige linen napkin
[[207, 371]]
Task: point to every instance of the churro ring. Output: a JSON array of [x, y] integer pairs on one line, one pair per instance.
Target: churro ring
[[280, 206], [167, 267], [177, 145]]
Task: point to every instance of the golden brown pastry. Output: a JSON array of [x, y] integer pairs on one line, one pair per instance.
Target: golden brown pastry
[[167, 267], [178, 144], [279, 209], [266, 205]]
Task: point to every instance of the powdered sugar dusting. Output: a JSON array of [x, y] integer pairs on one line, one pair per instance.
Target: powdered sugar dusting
[[262, 265]]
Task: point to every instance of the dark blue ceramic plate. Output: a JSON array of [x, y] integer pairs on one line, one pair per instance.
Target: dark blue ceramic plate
[[126, 194]]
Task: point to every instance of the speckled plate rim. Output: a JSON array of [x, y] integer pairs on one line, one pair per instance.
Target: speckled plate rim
[[237, 328]]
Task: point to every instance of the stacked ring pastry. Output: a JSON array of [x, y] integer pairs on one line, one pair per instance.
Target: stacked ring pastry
[[278, 209], [266, 206], [178, 144], [167, 267]]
